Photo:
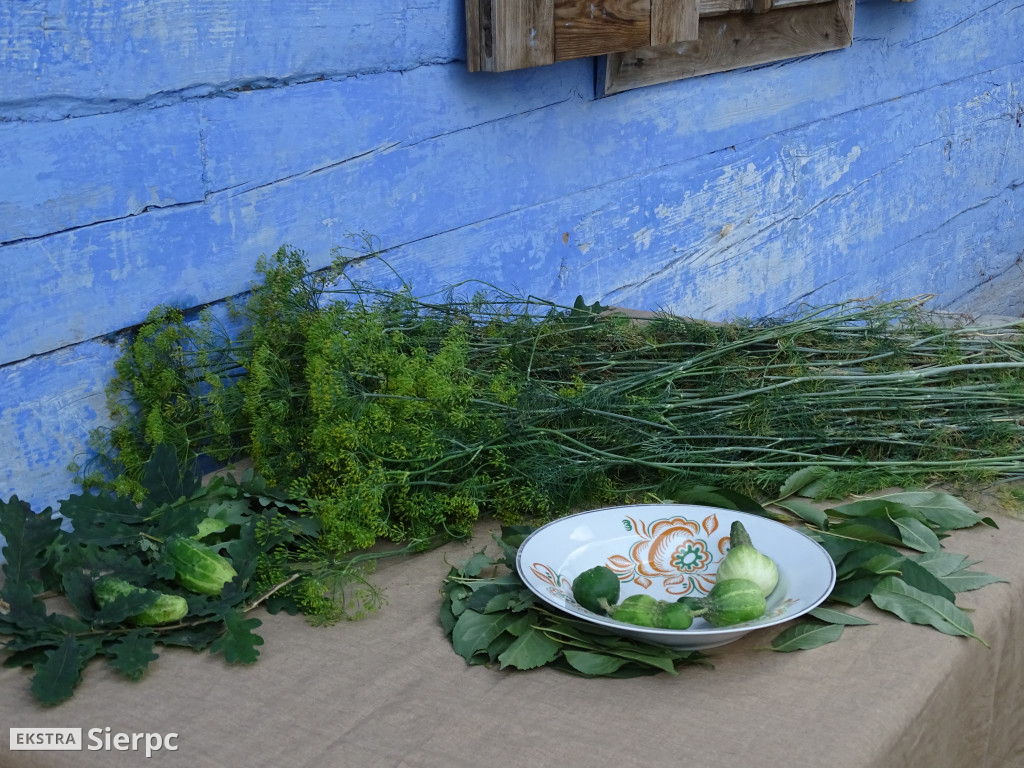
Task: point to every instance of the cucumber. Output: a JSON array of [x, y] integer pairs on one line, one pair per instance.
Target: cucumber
[[166, 609], [635, 609], [594, 585], [733, 601], [197, 567], [672, 615], [645, 611]]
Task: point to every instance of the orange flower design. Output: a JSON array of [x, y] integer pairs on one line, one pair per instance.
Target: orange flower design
[[669, 549]]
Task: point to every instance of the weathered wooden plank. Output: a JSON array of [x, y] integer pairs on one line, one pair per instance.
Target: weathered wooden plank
[[718, 7], [734, 41], [48, 406], [474, 57], [388, 112], [311, 191], [514, 34], [510, 34], [61, 57], [674, 20], [594, 27], [816, 213], [72, 173]]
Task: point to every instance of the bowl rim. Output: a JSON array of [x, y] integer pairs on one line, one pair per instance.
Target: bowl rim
[[708, 633]]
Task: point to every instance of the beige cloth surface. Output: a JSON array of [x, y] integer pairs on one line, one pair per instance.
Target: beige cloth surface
[[389, 692]]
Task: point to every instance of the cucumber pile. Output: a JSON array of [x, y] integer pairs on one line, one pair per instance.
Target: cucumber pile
[[746, 578]]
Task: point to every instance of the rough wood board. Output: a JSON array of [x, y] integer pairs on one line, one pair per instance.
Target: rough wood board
[[515, 34], [734, 41], [674, 20], [473, 35], [587, 28]]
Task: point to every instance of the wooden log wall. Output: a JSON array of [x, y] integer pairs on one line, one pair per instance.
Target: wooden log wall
[[152, 150]]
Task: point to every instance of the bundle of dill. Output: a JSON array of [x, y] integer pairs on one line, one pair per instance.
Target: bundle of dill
[[401, 416]]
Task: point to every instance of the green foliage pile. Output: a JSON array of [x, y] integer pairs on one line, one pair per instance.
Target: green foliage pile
[[887, 549], [491, 617], [54, 625], [401, 418]]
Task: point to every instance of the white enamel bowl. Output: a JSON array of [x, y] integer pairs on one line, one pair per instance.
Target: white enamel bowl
[[668, 551]]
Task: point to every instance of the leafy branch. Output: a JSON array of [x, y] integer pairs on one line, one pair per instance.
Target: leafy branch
[[258, 529]]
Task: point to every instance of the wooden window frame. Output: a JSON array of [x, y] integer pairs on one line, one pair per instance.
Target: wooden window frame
[[646, 42], [732, 40]]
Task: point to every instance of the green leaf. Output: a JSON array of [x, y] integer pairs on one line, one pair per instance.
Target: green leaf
[[447, 617], [28, 656], [132, 654], [476, 564], [940, 509], [917, 535], [881, 530], [509, 539], [876, 507], [56, 678], [177, 520], [806, 511], [230, 511], [517, 602], [103, 519], [163, 479], [474, 631], [917, 607], [941, 563], [716, 497], [196, 636], [868, 558], [664, 662], [834, 616], [593, 664], [28, 536], [627, 671], [209, 526], [806, 635], [853, 592], [531, 649], [24, 612], [965, 581], [838, 547], [800, 479], [458, 595], [514, 535], [77, 586], [239, 641], [920, 578], [482, 597]]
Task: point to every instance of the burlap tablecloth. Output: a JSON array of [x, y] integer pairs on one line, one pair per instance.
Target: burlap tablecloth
[[389, 692]]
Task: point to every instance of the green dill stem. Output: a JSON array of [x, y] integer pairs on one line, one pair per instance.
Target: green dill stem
[[272, 590]]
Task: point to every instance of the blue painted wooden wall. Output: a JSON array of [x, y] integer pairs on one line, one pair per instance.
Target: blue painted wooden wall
[[151, 150]]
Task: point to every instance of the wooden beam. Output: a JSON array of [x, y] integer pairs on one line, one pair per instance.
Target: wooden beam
[[674, 20], [509, 34], [473, 35], [595, 27]]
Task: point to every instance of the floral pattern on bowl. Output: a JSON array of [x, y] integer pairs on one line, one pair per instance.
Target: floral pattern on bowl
[[670, 551], [678, 551]]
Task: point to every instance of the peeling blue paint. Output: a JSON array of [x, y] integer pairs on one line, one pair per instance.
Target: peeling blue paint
[[150, 152]]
